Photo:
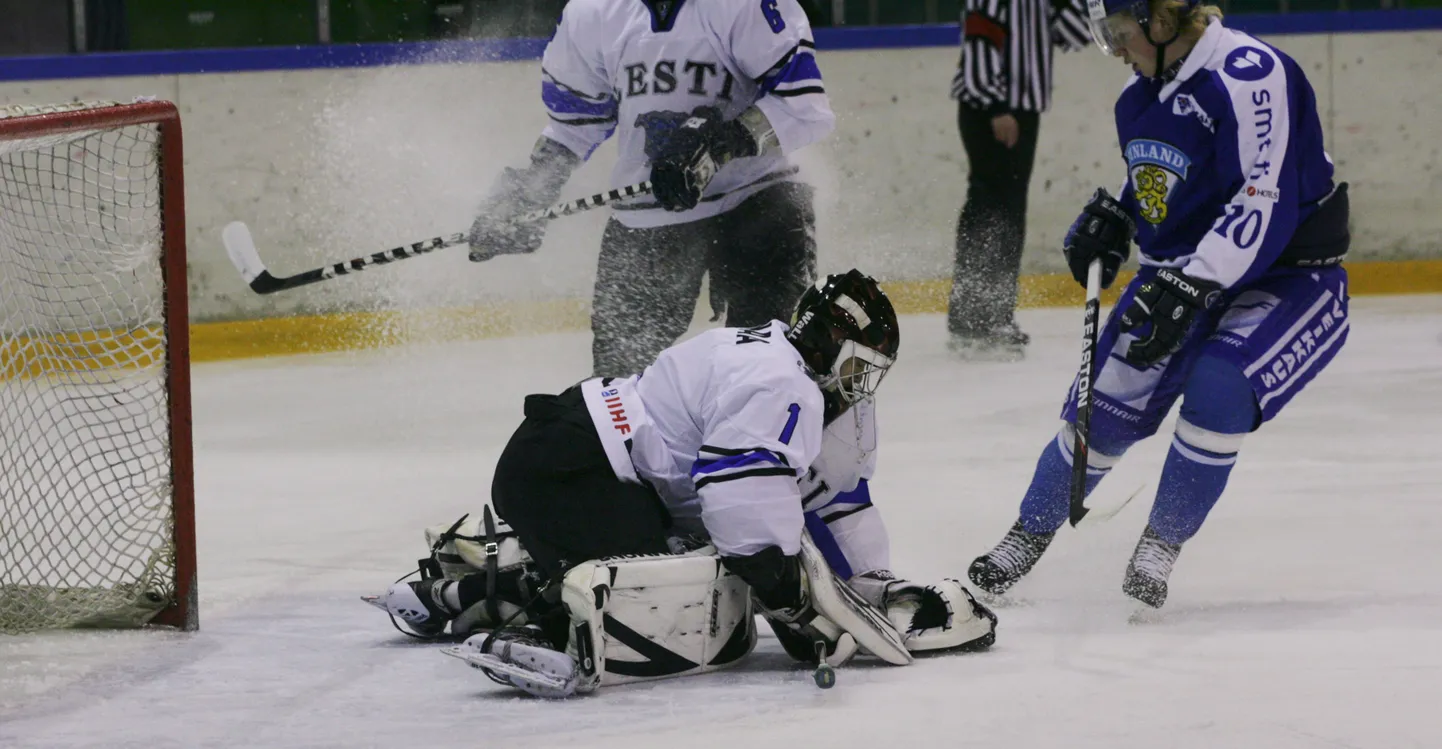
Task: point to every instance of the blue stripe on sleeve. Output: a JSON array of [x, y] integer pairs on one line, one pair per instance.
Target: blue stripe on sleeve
[[753, 457], [802, 67], [563, 101], [861, 495], [826, 544]]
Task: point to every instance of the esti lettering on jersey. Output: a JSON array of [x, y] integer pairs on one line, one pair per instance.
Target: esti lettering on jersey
[[661, 78]]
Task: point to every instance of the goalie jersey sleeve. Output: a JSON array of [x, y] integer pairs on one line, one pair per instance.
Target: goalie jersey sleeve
[[836, 496], [739, 419], [745, 471]]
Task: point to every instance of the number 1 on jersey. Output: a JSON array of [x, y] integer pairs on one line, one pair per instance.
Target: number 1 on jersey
[[790, 427], [773, 16]]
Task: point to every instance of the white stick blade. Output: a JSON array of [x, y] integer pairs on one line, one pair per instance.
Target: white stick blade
[[241, 248]]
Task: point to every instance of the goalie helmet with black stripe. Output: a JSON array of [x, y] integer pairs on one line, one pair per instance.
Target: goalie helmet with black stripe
[[847, 334]]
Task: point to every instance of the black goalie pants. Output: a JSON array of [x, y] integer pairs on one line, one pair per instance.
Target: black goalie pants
[[761, 256], [555, 486]]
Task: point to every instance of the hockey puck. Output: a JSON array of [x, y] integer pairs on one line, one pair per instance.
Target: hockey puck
[[825, 676]]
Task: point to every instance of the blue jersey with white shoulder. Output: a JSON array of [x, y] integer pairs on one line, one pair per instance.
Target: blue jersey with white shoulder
[[1224, 161]]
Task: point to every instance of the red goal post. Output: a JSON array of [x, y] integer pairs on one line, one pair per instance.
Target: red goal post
[[97, 514]]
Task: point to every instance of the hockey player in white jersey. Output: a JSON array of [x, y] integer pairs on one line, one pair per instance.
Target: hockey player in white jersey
[[706, 99], [756, 442]]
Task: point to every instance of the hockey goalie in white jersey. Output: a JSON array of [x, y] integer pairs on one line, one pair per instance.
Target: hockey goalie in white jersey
[[643, 517]]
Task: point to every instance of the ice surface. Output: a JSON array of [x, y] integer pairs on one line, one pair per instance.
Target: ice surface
[[1306, 614]]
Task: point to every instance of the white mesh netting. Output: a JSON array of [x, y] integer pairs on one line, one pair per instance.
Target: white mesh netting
[[85, 466]]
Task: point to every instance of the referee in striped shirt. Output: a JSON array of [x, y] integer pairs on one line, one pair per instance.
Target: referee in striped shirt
[[1002, 85]]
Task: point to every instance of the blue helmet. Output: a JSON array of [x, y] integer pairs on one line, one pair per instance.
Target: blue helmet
[[1102, 16]]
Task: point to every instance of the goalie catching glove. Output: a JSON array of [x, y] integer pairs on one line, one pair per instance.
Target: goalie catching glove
[[943, 616]]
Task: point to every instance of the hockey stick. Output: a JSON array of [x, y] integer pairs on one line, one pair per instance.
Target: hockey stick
[[1082, 428], [1099, 515], [241, 247]]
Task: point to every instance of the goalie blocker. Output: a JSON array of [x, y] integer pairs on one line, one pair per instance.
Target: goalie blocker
[[640, 618]]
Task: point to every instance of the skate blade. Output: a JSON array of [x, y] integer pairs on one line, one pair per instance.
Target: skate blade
[[987, 354], [1143, 615], [376, 601], [538, 683], [1002, 600]]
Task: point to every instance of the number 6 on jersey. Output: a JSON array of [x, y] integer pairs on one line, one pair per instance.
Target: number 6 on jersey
[[773, 16]]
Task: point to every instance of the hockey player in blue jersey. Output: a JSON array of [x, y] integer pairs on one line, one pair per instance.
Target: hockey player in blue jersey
[[1241, 299]]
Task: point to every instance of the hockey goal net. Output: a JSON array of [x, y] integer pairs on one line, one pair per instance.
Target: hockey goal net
[[96, 491]]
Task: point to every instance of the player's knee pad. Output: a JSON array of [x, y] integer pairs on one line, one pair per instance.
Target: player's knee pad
[[1104, 453], [651, 617], [1219, 398]]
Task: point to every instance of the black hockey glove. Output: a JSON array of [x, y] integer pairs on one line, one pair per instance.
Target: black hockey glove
[[1170, 302], [1103, 230], [775, 578], [779, 589], [516, 192], [686, 151]]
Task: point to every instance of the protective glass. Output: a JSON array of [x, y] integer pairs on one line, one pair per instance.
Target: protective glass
[[1112, 31]]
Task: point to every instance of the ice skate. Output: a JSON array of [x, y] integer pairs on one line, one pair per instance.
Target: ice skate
[[1005, 343], [1151, 565], [1000, 568], [419, 604], [523, 658]]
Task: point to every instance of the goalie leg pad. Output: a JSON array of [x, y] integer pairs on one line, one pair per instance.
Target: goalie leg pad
[[631, 619], [654, 617]]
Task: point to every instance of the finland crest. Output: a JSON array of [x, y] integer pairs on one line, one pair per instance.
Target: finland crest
[[1155, 168]]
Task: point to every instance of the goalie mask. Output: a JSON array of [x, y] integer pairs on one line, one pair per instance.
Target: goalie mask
[[846, 332]]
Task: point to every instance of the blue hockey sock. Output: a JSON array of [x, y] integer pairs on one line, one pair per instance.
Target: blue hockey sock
[[1045, 506], [1218, 412]]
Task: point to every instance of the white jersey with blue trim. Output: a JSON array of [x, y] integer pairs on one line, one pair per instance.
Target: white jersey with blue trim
[[721, 426], [612, 61], [836, 495]]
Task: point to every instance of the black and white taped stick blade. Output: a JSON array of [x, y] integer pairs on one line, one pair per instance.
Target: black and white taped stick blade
[[241, 248]]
